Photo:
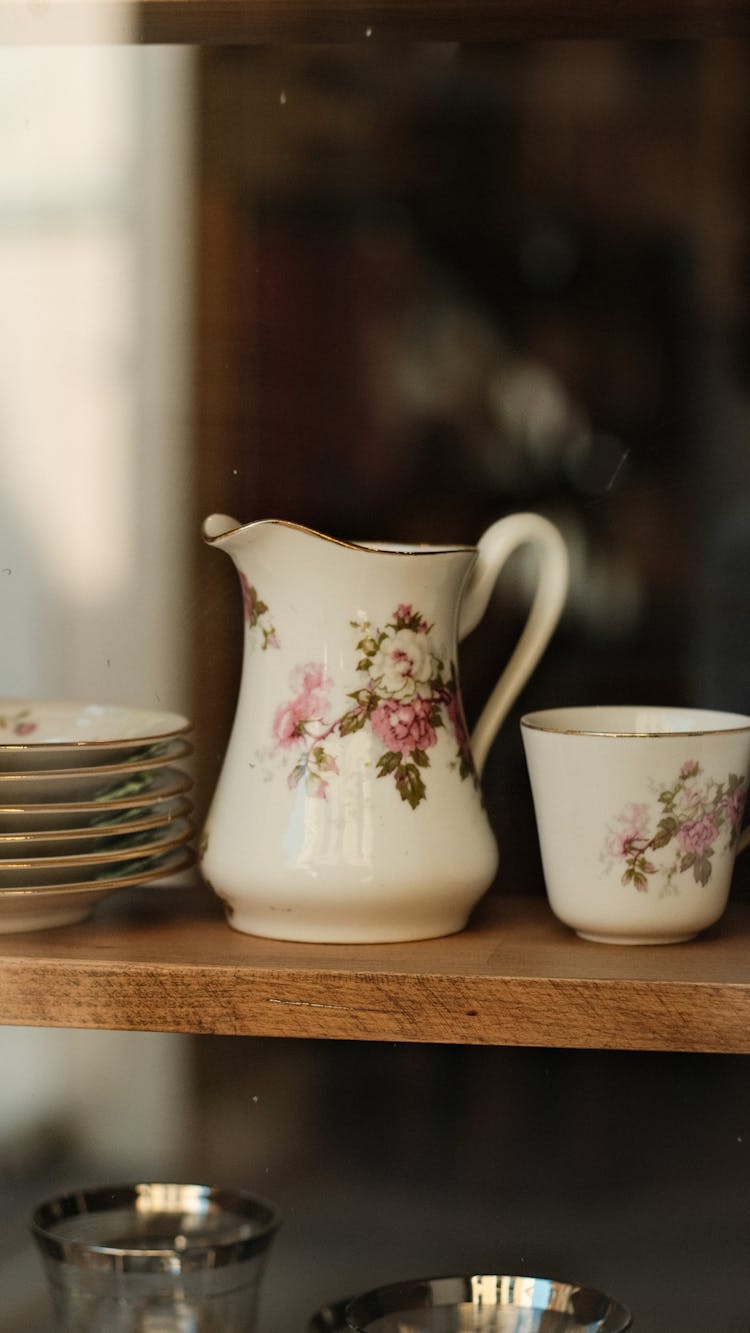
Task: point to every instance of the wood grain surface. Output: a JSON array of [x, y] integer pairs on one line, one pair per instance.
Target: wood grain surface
[[165, 960]]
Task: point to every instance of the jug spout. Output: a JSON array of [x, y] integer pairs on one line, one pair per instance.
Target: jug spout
[[243, 541], [227, 533], [218, 529]]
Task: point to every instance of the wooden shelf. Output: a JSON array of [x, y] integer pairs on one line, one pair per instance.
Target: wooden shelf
[[165, 960], [260, 22]]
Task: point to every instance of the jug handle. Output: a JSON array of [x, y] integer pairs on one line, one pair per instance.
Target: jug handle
[[494, 548]]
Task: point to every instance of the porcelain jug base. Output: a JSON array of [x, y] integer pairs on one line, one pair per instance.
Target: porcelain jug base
[[300, 928]]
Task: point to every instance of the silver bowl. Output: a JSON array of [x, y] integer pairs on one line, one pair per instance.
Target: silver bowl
[[486, 1303]]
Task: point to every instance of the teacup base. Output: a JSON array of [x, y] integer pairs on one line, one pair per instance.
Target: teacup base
[[636, 939]]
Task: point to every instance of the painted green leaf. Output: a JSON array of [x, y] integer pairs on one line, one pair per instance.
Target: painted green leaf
[[410, 786], [352, 721], [702, 870], [665, 831], [388, 762]]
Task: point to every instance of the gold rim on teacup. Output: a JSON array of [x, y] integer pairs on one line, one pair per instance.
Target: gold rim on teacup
[[556, 721]]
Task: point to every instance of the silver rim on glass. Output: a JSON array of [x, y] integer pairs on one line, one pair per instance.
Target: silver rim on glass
[[588, 1310], [158, 1243]]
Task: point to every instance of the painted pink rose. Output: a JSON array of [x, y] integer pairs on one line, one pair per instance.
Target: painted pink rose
[[632, 827], [697, 835], [690, 769], [291, 719], [404, 726], [734, 805], [311, 684], [406, 616], [456, 718], [24, 728], [289, 723]]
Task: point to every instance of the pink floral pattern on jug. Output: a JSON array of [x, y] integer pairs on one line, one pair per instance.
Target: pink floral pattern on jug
[[348, 806], [256, 614], [408, 693], [690, 818]]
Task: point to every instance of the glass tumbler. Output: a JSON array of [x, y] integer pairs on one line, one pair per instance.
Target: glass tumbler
[[155, 1258]]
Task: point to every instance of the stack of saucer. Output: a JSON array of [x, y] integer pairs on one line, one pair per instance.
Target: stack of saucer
[[92, 799]]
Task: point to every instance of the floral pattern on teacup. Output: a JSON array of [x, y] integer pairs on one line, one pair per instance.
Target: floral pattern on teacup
[[692, 817], [256, 614], [406, 694], [20, 723]]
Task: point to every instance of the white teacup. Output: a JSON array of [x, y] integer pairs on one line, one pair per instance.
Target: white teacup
[[639, 814]]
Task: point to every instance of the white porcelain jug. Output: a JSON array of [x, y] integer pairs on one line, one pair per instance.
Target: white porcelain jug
[[348, 808]]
